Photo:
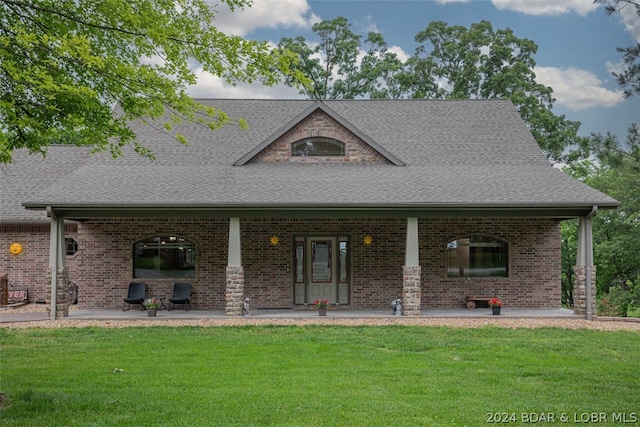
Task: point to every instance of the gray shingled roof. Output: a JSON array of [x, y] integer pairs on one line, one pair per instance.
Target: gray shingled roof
[[30, 174], [457, 155]]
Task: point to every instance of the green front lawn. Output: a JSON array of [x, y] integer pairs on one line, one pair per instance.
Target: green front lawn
[[315, 376]]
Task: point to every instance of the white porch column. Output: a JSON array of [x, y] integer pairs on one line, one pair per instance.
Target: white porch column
[[584, 286], [58, 269], [234, 288], [411, 289]]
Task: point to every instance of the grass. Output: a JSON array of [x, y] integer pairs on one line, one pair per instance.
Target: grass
[[314, 376]]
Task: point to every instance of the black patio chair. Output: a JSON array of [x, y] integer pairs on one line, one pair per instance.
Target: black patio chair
[[136, 295], [181, 295]]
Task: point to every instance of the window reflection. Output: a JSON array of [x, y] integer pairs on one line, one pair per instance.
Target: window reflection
[[164, 256], [317, 147], [477, 256]]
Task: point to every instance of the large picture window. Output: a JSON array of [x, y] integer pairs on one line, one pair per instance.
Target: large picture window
[[164, 256], [477, 256], [317, 147]]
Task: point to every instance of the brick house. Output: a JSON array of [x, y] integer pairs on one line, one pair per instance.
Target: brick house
[[356, 201]]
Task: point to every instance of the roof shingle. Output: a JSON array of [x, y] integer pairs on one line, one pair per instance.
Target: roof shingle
[[455, 153]]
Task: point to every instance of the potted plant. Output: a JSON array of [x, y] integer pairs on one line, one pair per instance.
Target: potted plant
[[152, 305], [321, 305], [495, 305]]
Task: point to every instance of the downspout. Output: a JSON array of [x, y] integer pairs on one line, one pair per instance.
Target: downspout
[[53, 261], [589, 258]]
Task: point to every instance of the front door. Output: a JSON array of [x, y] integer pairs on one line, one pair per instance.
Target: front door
[[322, 269]]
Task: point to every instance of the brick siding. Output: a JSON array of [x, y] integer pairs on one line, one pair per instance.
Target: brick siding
[[319, 124], [103, 266], [29, 269], [534, 262]]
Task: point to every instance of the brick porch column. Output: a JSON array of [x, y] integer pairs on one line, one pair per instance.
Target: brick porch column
[[411, 289], [234, 287]]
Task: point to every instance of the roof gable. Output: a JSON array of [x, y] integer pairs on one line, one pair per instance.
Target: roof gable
[[318, 120]]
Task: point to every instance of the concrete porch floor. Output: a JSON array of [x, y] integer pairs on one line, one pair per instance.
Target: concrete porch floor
[[347, 313], [337, 313]]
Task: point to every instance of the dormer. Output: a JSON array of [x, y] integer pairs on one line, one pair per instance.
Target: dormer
[[318, 135]]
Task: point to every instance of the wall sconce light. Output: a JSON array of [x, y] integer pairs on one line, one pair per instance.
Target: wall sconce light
[[274, 240], [367, 240]]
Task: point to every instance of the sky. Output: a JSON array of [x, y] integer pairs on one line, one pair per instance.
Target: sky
[[576, 42]]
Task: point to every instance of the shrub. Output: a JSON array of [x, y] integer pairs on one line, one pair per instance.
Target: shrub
[[617, 302]]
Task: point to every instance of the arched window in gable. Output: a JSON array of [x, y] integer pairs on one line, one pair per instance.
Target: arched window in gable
[[317, 146], [164, 257], [477, 256]]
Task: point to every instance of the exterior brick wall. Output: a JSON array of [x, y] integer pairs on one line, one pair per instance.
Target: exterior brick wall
[[319, 124], [30, 269], [534, 262], [375, 270], [106, 248], [103, 266]]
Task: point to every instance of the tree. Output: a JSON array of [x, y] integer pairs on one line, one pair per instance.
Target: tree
[[451, 62], [610, 151], [613, 167], [615, 170], [629, 78], [478, 62], [335, 67], [64, 64], [618, 250], [569, 246]]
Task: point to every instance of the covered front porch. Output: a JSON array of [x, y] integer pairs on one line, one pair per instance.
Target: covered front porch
[[390, 268]]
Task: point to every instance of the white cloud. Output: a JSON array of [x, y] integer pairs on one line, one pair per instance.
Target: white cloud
[[577, 89], [546, 7], [210, 86], [631, 21], [615, 67], [400, 53], [371, 26], [264, 14]]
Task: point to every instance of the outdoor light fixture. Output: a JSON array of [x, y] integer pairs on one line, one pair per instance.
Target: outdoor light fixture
[[367, 240], [274, 240]]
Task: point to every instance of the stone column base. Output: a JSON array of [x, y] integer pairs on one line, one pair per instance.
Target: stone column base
[[234, 291], [411, 290], [580, 290], [62, 292]]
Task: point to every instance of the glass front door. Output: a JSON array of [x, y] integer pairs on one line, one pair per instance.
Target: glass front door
[[322, 267]]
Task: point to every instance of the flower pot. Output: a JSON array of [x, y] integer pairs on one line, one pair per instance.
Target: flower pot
[[495, 310], [151, 312], [322, 311]]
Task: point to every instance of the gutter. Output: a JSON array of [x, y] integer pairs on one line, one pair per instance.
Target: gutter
[[589, 259]]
